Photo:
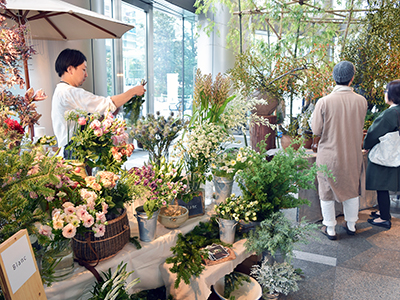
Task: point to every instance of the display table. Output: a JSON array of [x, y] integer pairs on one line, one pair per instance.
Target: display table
[[145, 262], [199, 287]]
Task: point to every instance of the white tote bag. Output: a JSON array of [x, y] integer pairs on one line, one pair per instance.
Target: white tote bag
[[387, 151]]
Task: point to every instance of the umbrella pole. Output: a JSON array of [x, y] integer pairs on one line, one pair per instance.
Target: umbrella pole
[[28, 84]]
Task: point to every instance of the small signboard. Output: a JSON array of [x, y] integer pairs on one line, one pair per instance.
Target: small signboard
[[196, 206], [19, 275]]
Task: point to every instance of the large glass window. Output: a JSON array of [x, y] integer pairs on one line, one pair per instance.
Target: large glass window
[[175, 62], [172, 61], [109, 52], [167, 62], [134, 46]]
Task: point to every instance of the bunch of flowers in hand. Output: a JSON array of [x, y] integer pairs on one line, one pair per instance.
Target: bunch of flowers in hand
[[229, 161], [236, 208], [199, 149], [157, 133], [160, 184], [98, 141]]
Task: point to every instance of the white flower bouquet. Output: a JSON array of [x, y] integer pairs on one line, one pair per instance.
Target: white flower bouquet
[[229, 161], [235, 208]]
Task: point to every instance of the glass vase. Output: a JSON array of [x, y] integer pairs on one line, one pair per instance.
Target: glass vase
[[194, 181], [64, 260]]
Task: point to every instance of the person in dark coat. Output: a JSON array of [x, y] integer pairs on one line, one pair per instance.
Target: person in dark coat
[[380, 178]]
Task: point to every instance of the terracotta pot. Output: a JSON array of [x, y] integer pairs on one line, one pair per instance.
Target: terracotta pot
[[269, 108], [258, 133], [286, 140]]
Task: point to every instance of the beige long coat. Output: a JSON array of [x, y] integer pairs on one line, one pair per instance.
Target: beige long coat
[[339, 119]]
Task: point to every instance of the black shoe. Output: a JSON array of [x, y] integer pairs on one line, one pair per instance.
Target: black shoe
[[385, 224], [349, 232], [374, 215], [324, 232]]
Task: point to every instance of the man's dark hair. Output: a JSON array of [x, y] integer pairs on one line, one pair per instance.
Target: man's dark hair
[[69, 57], [393, 90]]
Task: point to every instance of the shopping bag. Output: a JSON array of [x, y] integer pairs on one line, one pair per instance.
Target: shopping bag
[[387, 151]]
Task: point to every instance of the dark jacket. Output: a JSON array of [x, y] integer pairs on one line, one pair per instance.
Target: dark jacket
[[380, 177]]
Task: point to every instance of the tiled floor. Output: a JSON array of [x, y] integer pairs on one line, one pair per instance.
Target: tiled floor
[[360, 267]]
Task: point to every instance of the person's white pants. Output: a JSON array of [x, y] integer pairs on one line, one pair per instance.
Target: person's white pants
[[350, 210]]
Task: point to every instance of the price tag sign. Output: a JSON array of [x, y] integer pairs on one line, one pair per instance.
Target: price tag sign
[[18, 263]]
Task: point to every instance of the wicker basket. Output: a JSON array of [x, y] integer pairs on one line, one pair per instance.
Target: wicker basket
[[90, 249]]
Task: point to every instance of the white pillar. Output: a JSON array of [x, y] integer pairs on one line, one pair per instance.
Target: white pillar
[[213, 54]]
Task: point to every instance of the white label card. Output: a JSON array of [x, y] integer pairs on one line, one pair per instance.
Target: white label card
[[18, 262]]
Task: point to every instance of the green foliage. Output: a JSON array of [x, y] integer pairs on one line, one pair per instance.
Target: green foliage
[[210, 98], [135, 241], [278, 233], [369, 118], [120, 195], [133, 107], [374, 51], [113, 286], [274, 184], [23, 189], [188, 255], [279, 278], [232, 282]]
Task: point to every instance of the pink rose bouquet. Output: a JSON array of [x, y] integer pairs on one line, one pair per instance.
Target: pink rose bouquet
[[83, 205], [98, 141]]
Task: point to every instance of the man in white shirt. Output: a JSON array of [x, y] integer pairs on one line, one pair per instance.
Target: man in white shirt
[[71, 66]]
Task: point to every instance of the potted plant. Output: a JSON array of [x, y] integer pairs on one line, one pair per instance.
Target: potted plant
[[278, 235], [238, 285], [157, 133], [305, 127], [273, 184], [230, 212], [279, 278], [224, 168], [158, 186], [100, 142], [291, 134]]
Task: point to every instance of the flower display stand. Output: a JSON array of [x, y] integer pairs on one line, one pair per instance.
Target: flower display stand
[[90, 249]]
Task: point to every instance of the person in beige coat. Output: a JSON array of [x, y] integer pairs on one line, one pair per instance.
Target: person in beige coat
[[338, 119]]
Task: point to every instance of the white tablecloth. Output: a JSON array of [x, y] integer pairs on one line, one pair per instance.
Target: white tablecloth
[[145, 262]]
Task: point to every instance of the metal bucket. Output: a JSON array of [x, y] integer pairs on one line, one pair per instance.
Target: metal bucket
[[223, 188], [227, 230], [147, 227]]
